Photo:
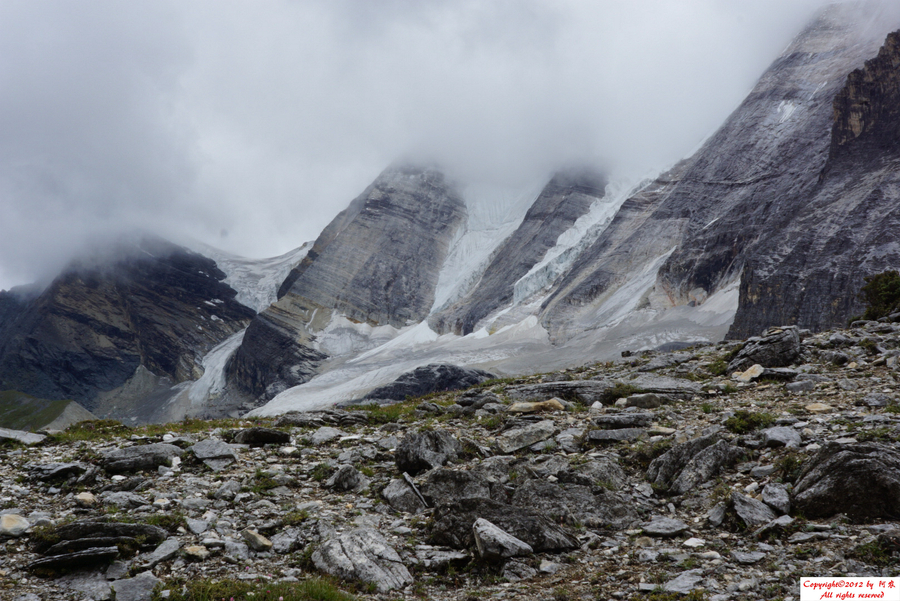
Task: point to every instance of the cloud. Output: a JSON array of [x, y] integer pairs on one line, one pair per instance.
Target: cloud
[[250, 125]]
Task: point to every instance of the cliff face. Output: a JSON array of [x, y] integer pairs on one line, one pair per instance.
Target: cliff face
[[757, 202], [153, 305], [566, 197], [377, 263]]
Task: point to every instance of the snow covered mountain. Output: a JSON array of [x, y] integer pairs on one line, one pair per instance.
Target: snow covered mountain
[[776, 219]]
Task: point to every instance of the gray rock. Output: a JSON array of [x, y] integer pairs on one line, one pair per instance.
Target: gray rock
[[587, 392], [665, 527], [569, 440], [493, 543], [438, 558], [601, 471], [801, 386], [166, 551], [426, 450], [29, 597], [258, 436], [779, 523], [665, 469], [236, 550], [623, 420], [401, 497], [287, 541], [452, 525], [704, 465], [124, 500], [875, 399], [848, 385], [514, 571], [776, 496], [445, 485], [197, 526], [647, 400], [139, 588], [56, 471], [747, 558], [860, 480], [778, 347], [94, 529], [27, 438], [685, 582], [762, 471], [436, 377], [216, 454], [781, 436], [576, 504], [347, 478], [78, 559], [140, 457], [228, 490], [754, 513], [525, 435], [362, 555], [325, 434], [612, 436]]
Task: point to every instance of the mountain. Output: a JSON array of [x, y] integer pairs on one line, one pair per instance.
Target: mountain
[[775, 220], [127, 320]]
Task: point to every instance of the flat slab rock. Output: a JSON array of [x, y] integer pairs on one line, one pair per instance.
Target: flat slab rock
[[140, 457], [494, 544], [215, 453], [363, 555], [524, 436], [576, 504], [27, 438], [665, 527]]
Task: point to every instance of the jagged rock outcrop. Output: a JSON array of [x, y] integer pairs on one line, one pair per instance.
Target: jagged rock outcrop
[[427, 379], [564, 199], [376, 263], [139, 306], [782, 196]]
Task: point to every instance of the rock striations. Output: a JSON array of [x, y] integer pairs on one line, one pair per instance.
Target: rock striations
[[143, 311], [376, 263]]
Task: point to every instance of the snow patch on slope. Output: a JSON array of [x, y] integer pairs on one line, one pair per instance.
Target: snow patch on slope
[[494, 213], [572, 242], [256, 280], [212, 383]]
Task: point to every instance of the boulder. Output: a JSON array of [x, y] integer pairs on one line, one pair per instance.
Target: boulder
[[26, 438], [426, 450], [777, 347], [576, 504], [71, 561], [150, 536], [56, 471], [452, 525], [691, 463], [494, 543], [12, 525], [860, 480], [781, 436], [259, 436], [623, 420], [776, 496], [400, 495], [365, 556], [445, 485], [436, 377], [752, 512], [664, 527], [525, 435], [347, 478], [140, 457], [255, 540], [139, 588], [216, 454]]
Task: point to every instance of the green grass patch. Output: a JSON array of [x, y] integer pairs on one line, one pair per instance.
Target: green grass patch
[[170, 522], [386, 414], [744, 421], [20, 411], [873, 553], [717, 367], [314, 589]]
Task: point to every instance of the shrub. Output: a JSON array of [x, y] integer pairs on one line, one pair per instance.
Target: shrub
[[881, 293], [747, 421]]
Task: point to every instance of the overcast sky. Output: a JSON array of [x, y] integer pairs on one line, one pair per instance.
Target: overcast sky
[[250, 124]]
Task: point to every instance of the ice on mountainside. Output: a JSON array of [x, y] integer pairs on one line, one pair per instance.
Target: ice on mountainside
[[494, 213], [212, 383], [572, 242], [256, 280]]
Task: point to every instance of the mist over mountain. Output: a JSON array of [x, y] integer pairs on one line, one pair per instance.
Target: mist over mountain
[[250, 129]]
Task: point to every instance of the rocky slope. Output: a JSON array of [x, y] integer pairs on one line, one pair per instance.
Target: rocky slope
[[377, 263], [651, 473], [123, 323]]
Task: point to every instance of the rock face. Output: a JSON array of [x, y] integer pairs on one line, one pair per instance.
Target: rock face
[[565, 198], [359, 267], [860, 480], [776, 348], [362, 555], [795, 195], [427, 379], [137, 305], [426, 450]]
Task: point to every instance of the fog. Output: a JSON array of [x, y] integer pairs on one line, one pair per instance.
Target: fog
[[249, 125]]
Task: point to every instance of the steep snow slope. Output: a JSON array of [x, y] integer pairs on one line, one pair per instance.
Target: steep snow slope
[[256, 280]]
